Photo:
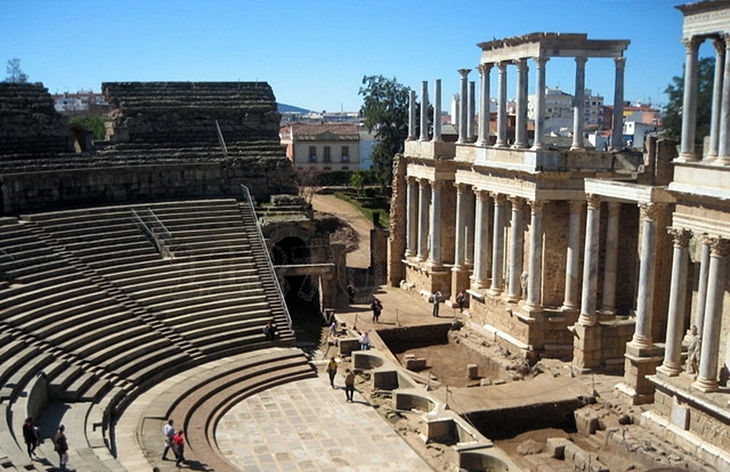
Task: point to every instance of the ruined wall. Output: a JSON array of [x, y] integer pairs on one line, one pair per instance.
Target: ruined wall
[[557, 218], [28, 122], [397, 233]]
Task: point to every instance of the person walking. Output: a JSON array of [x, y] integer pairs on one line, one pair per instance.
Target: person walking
[[61, 447], [178, 446], [436, 300], [31, 436], [377, 308], [350, 294], [461, 300], [169, 431], [349, 385], [332, 371]]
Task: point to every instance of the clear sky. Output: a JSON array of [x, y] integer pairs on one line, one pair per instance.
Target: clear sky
[[314, 53]]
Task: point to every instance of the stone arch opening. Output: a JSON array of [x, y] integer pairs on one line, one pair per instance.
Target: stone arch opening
[[301, 290]]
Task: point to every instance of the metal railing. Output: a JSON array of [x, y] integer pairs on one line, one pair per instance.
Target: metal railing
[[150, 233], [267, 256]]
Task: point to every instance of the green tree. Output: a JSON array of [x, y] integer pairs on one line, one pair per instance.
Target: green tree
[[15, 74], [385, 111], [94, 123], [672, 120], [357, 180]]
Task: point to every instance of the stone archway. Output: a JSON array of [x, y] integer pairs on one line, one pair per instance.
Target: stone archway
[[301, 291]]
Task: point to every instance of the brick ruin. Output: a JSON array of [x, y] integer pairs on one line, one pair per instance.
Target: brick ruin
[[162, 143]]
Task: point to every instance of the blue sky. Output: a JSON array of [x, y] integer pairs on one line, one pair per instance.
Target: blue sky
[[314, 53]]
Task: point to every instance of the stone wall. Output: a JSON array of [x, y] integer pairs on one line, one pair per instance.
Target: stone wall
[[29, 124]]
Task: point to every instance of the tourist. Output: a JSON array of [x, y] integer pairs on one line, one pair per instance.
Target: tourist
[[350, 293], [333, 328], [61, 447], [349, 385], [436, 298], [169, 431], [377, 308], [270, 330], [178, 447], [461, 300], [31, 436], [332, 371], [364, 341]]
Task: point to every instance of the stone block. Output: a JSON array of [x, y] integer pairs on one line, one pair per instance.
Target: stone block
[[679, 416], [385, 379], [557, 447], [347, 345], [415, 364], [586, 421], [472, 371]]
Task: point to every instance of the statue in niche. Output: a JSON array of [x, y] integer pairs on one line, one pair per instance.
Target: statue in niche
[[693, 351], [524, 278]]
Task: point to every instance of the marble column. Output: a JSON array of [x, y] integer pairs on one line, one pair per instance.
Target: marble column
[[437, 110], [590, 263], [412, 115], [412, 218], [497, 285], [459, 231], [470, 224], [672, 364], [617, 135], [647, 260], [424, 111], [502, 106], [610, 274], [516, 245], [689, 100], [707, 377], [423, 204], [484, 104], [521, 111], [463, 107], [702, 284], [481, 240], [717, 85], [471, 120], [534, 287], [435, 256], [540, 63], [578, 105], [572, 257], [723, 151]]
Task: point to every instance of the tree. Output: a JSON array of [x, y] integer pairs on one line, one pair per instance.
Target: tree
[[672, 120], [385, 110], [15, 74]]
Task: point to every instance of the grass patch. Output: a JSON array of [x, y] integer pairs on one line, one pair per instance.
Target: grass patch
[[365, 210]]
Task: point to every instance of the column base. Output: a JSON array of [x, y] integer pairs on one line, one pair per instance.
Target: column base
[[685, 158], [532, 309], [577, 148], [706, 385], [721, 161], [634, 397], [569, 308], [495, 292], [669, 370]]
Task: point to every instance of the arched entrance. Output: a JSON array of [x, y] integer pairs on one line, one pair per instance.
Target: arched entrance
[[301, 290]]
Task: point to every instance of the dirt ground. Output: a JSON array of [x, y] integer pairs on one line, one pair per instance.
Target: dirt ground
[[509, 381]]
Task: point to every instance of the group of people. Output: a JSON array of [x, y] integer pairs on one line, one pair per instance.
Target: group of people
[[349, 378], [175, 440]]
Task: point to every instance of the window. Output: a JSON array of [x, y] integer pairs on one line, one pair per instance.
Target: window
[[312, 153], [327, 154], [345, 154], [345, 168]]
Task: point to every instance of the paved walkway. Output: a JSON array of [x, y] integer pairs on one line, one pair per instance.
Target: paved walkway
[[308, 426]]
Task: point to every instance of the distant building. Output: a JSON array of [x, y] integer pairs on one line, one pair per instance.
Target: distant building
[[367, 144], [322, 147], [82, 101]]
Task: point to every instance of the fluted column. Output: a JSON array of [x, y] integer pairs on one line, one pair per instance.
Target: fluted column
[[484, 114], [590, 263], [497, 285], [424, 111], [702, 284], [481, 240], [521, 111], [534, 287], [470, 228], [608, 303], [578, 105], [647, 260], [723, 152], [423, 204], [435, 256], [412, 115], [707, 377], [689, 100], [540, 63], [471, 120], [463, 107], [412, 218], [515, 250], [502, 106], [717, 85], [572, 258], [459, 232], [672, 364], [437, 110], [617, 135]]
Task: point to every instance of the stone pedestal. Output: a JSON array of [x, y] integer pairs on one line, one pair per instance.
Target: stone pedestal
[[640, 362], [587, 348]]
